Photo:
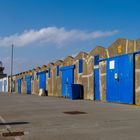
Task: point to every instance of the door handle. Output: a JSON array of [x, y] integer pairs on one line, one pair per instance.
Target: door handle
[[116, 77]]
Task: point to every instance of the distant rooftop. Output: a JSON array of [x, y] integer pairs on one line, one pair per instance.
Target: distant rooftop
[[2, 70]]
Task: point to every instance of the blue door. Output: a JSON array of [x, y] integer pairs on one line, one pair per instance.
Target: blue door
[[0, 86], [126, 79], [96, 78], [120, 79], [67, 80], [5, 85], [112, 82], [19, 86], [28, 84], [42, 80]]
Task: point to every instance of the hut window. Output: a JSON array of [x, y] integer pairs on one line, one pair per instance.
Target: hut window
[[49, 73], [80, 67], [57, 70]]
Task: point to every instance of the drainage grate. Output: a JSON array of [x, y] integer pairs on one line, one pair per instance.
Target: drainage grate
[[74, 112], [10, 134]]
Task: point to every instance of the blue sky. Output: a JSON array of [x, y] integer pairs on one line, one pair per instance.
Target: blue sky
[[47, 30]]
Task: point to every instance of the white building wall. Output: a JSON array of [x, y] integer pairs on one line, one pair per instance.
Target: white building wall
[[2, 80]]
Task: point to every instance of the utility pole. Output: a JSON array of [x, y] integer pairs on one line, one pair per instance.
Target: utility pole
[[12, 67]]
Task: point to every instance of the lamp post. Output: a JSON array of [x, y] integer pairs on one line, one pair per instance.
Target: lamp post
[[12, 67]]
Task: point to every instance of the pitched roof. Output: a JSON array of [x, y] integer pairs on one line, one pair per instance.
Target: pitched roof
[[81, 55]]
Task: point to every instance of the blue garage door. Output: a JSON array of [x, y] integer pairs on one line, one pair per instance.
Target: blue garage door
[[0, 86], [67, 80], [96, 78], [19, 85], [42, 80], [120, 78], [28, 84]]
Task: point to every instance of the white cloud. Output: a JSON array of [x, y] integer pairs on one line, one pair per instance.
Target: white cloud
[[52, 35]]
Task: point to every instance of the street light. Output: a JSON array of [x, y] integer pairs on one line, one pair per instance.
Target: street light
[[11, 66]]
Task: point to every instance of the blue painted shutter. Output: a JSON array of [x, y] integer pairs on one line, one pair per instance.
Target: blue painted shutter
[[32, 76], [37, 75], [49, 73], [57, 71], [80, 65], [96, 60]]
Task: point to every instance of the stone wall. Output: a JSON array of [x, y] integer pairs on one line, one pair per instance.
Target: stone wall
[[137, 79], [57, 78], [89, 77], [79, 78], [35, 83], [121, 46], [102, 72], [50, 81]]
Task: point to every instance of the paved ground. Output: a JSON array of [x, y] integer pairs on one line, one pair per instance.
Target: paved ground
[[42, 118]]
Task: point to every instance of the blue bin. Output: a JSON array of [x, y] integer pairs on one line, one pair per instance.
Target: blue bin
[[75, 91]]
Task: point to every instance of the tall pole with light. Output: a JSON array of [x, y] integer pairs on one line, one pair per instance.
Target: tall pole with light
[[12, 67]]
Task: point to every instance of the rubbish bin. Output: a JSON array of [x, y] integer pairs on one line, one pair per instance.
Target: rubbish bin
[[75, 91]]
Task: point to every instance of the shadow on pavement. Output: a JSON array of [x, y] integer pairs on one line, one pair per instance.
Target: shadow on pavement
[[14, 123]]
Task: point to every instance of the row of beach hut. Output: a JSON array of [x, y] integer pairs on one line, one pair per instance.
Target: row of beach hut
[[104, 74]]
